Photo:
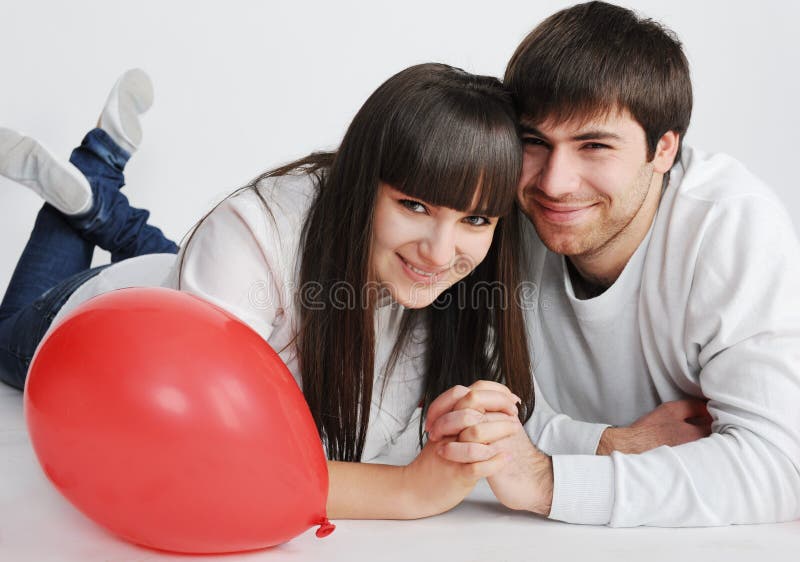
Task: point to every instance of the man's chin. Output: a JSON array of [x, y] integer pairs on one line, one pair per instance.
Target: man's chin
[[569, 249], [564, 243]]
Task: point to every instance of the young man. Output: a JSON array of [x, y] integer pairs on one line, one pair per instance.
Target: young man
[[666, 309]]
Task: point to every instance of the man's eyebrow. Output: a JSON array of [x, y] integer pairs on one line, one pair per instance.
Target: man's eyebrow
[[597, 135], [530, 130], [592, 134]]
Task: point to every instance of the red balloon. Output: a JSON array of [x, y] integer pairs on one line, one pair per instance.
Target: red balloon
[[174, 425]]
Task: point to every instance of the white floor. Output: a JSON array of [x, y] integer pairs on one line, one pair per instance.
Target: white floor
[[38, 525]]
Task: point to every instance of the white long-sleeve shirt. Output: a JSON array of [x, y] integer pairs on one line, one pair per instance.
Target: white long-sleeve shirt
[[707, 307], [246, 261]]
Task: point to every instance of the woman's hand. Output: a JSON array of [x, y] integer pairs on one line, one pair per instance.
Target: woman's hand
[[447, 470], [444, 472], [434, 484], [431, 484], [482, 419], [460, 407]]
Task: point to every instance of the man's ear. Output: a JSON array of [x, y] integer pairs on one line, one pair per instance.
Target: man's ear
[[666, 149]]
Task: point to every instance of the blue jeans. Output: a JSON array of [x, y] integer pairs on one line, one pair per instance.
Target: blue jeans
[[57, 258]]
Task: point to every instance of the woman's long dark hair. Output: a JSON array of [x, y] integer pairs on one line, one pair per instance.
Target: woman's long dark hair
[[444, 136]]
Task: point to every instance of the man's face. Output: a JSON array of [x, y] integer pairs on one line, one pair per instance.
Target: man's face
[[584, 185]]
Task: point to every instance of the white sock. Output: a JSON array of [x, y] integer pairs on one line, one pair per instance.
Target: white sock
[[24, 160], [131, 96]]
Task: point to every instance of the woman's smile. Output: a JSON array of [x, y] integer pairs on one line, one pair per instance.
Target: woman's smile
[[421, 275]]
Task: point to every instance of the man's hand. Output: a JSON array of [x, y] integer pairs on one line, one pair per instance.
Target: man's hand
[[672, 423], [526, 481]]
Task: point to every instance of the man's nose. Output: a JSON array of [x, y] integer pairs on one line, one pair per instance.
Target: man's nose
[[558, 175]]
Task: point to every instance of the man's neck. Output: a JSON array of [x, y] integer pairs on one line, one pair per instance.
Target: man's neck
[[594, 272]]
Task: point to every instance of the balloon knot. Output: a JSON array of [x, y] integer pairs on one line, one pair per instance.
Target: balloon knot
[[325, 529]]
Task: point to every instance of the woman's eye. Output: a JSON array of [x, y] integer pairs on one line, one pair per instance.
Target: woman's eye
[[477, 220], [414, 206]]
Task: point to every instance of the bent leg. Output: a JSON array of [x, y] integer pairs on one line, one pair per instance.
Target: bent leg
[[61, 245], [112, 223]]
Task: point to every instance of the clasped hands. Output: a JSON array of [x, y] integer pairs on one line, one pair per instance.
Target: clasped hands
[[474, 432]]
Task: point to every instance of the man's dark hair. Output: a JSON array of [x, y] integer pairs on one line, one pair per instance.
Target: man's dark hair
[[595, 58]]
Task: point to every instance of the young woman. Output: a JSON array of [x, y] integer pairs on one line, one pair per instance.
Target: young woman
[[383, 273]]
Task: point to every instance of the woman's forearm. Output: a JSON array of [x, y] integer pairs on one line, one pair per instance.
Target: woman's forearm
[[368, 491]]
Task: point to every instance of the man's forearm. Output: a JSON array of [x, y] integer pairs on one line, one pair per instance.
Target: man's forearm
[[544, 475], [630, 440], [611, 440], [640, 438]]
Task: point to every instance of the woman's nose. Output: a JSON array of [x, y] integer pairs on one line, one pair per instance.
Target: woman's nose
[[438, 248]]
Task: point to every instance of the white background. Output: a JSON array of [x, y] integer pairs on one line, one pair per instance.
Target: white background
[[244, 85]]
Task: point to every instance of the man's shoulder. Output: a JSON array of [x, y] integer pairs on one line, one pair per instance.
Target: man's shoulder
[[717, 178], [717, 215], [712, 193]]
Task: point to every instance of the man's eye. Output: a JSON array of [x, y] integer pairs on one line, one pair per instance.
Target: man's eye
[[476, 220], [595, 146], [414, 206], [533, 141]]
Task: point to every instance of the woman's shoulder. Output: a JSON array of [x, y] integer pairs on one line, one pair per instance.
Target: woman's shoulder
[[289, 196], [243, 256], [272, 210]]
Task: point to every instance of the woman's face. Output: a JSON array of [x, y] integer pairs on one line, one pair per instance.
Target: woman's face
[[419, 250]]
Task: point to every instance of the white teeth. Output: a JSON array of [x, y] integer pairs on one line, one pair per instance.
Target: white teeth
[[419, 271]]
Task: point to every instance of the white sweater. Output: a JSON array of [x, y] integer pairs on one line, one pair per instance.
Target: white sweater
[[707, 307], [243, 261]]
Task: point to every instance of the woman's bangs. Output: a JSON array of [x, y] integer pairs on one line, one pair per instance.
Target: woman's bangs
[[451, 161]]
